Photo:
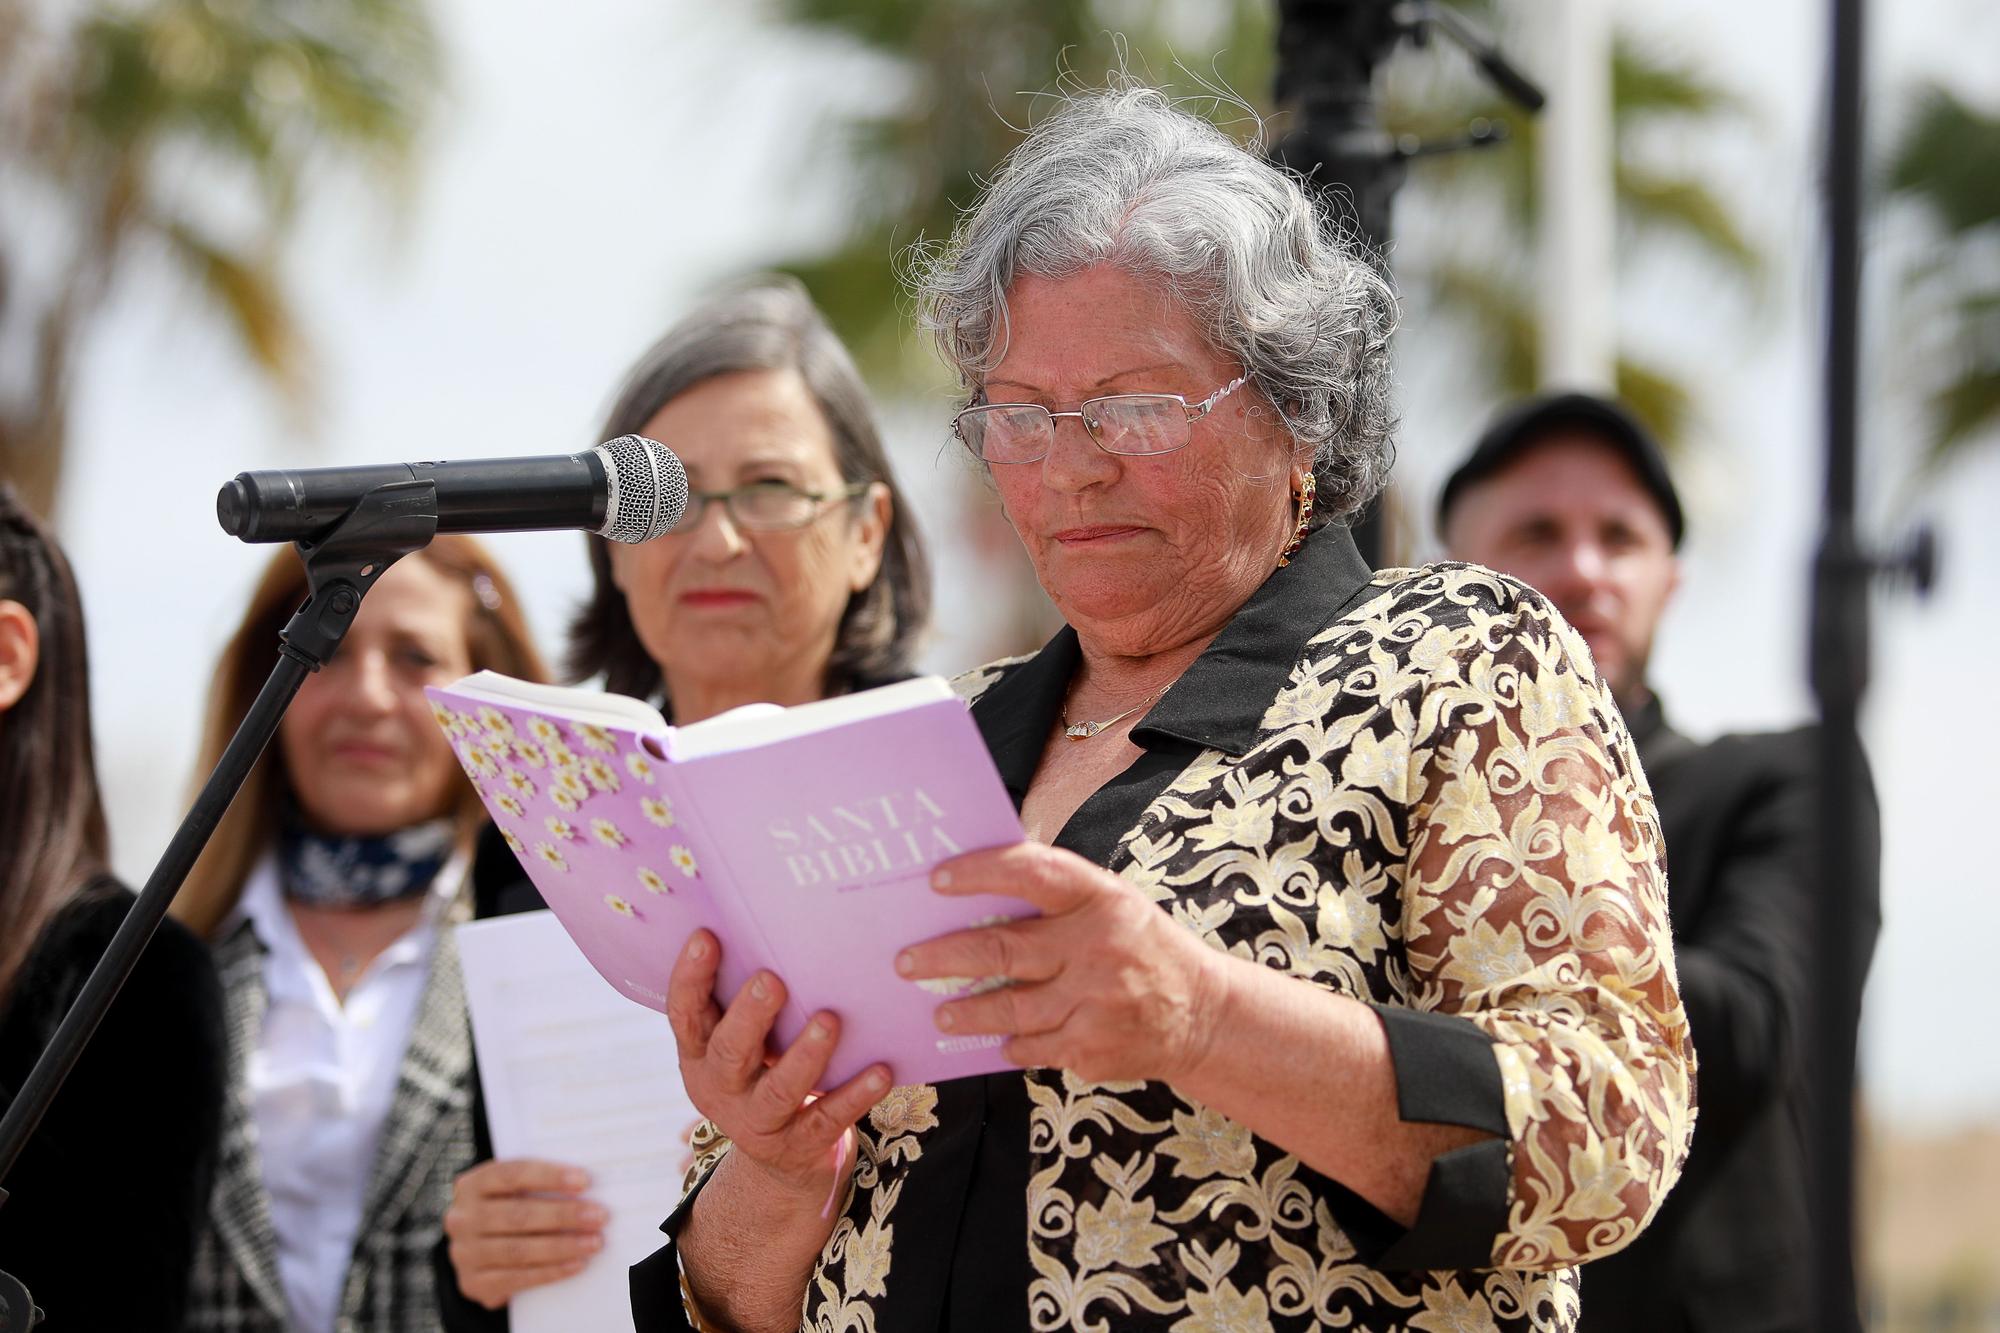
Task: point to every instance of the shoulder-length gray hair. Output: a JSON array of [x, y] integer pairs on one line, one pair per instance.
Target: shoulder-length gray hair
[[770, 324], [1124, 177]]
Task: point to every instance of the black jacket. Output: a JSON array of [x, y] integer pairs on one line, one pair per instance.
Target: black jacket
[[106, 1200], [1731, 1247]]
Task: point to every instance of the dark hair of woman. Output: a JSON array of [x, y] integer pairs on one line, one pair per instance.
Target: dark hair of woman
[[52, 831], [771, 325], [496, 639]]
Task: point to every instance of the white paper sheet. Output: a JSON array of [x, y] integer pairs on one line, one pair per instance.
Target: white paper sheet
[[574, 1072]]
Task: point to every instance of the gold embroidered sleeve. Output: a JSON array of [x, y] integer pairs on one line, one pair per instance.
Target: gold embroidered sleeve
[[1535, 903]]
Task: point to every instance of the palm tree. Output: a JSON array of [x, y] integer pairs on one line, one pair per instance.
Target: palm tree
[[1946, 166], [109, 115], [916, 163], [1482, 280]]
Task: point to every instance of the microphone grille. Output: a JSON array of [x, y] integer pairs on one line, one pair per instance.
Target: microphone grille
[[647, 489]]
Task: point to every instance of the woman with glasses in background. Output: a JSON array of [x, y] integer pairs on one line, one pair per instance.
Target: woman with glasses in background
[[796, 574]]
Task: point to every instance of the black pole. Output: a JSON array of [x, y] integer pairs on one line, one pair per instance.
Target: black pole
[[1840, 677], [1328, 51], [1327, 54]]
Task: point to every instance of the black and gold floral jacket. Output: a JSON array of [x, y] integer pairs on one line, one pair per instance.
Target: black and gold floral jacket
[[1411, 788]]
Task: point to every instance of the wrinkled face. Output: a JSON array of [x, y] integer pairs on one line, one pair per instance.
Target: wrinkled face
[[1141, 554], [362, 751], [1570, 518], [722, 604]]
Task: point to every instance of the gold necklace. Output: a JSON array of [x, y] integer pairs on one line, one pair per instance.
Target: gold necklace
[[1083, 731]]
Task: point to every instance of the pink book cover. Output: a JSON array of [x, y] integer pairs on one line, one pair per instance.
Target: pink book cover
[[802, 837]]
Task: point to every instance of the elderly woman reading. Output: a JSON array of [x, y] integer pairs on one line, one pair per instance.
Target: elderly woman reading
[[1352, 1002]]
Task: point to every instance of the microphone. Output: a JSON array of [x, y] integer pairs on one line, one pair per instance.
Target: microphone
[[630, 489]]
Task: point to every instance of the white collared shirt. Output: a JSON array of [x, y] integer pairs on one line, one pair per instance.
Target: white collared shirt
[[321, 1082]]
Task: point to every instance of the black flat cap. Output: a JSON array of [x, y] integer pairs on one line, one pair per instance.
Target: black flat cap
[[1533, 420]]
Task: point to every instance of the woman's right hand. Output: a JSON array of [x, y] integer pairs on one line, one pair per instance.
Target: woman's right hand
[[798, 1142], [518, 1224]]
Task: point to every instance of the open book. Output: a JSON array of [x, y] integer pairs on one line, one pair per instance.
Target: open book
[[802, 837]]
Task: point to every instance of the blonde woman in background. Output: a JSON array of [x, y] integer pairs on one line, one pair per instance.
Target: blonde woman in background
[[324, 895]]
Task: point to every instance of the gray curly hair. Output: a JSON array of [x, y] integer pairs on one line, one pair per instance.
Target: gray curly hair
[[1123, 176]]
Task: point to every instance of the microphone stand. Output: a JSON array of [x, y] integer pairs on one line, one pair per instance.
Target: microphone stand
[[1842, 572], [387, 524]]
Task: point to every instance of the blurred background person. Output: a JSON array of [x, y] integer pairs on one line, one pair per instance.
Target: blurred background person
[[108, 1196], [1569, 494], [796, 574], [325, 894]]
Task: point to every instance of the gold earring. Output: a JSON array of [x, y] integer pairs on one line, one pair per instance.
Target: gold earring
[[1307, 489]]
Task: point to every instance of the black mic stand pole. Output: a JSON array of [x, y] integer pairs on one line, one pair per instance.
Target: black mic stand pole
[[1842, 573], [1327, 54], [388, 523]]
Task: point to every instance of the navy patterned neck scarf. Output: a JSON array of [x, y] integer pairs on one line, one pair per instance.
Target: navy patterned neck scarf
[[325, 870]]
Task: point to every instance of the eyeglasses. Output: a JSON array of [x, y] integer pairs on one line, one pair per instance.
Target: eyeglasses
[[1122, 423], [765, 506]]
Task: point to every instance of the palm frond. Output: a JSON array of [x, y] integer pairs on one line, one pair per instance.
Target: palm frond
[[1689, 209], [1658, 399], [1948, 160], [1966, 410], [1499, 316], [249, 295], [1646, 85]]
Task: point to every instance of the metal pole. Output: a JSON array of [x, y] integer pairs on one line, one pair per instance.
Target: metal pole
[[1840, 678]]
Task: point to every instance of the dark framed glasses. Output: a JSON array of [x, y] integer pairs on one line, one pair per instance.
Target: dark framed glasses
[[766, 506], [1120, 423]]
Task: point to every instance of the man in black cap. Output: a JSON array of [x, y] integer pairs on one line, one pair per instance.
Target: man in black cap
[[1570, 495]]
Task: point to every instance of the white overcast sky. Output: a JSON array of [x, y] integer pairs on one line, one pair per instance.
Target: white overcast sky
[[591, 170]]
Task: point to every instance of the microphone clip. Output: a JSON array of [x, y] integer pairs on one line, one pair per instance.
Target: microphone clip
[[387, 524]]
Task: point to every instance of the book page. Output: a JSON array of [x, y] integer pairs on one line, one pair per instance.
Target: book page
[[585, 705], [753, 725], [574, 1073]]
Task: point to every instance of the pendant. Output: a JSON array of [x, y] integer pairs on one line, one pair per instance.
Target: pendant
[[1083, 731]]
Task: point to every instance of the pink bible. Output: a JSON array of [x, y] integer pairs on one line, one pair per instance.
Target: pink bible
[[802, 837]]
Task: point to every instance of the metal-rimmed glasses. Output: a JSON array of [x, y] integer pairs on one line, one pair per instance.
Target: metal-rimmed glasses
[[765, 506], [1120, 423]]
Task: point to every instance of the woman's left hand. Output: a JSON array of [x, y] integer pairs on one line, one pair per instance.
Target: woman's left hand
[[1105, 984]]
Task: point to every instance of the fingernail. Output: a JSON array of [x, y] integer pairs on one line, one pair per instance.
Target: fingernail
[[697, 948], [815, 1031], [761, 987], [594, 1242], [945, 1020], [878, 1079], [576, 1178], [594, 1215], [940, 878], [906, 962]]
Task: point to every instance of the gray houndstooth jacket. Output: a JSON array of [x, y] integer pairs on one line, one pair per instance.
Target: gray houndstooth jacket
[[428, 1141]]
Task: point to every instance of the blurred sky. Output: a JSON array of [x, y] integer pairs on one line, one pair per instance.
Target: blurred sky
[[589, 173]]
